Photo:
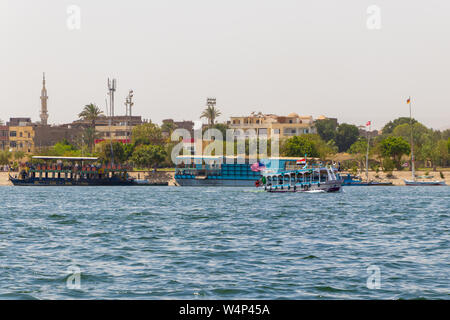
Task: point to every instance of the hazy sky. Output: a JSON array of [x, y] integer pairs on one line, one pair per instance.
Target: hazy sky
[[310, 57]]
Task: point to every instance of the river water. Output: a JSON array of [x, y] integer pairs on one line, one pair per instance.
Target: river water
[[224, 243]]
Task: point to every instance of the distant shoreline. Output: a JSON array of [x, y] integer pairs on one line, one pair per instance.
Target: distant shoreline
[[167, 176]]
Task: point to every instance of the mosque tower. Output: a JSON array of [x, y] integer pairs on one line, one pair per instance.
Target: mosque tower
[[44, 98]]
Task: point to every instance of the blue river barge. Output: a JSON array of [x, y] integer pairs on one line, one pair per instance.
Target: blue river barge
[[215, 171]]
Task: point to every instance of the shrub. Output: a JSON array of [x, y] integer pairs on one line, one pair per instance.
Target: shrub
[[388, 165]]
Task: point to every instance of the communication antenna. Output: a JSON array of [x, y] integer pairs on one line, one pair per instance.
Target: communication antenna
[[112, 85], [128, 105]]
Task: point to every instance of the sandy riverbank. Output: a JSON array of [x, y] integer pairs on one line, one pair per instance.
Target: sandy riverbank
[[4, 180], [399, 176], [162, 176]]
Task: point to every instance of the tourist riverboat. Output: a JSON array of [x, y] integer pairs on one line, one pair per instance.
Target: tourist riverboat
[[287, 175], [70, 171]]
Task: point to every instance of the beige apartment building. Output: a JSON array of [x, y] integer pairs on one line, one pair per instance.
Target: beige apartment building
[[265, 124], [21, 135], [120, 133]]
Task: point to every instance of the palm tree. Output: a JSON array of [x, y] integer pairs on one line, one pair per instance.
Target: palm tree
[[211, 113], [168, 127], [91, 113]]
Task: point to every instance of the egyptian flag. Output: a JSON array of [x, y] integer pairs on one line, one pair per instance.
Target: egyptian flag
[[408, 101], [301, 161]]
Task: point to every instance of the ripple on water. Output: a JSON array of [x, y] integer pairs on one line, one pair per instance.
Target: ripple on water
[[224, 243]]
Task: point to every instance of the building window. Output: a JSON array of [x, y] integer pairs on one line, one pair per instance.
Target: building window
[[262, 131], [13, 144], [21, 134], [13, 134]]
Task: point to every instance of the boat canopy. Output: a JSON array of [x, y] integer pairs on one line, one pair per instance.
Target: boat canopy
[[66, 158]]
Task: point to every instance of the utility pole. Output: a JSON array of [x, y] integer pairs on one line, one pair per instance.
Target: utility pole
[[128, 104], [111, 90]]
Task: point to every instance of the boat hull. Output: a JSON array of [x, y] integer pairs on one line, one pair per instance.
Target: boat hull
[[215, 182], [68, 182], [332, 186], [366, 184], [424, 183]]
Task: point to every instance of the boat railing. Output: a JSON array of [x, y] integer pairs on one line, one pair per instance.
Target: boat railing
[[198, 172]]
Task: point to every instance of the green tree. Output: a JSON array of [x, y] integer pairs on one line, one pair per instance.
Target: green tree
[[89, 136], [147, 156], [210, 113], [359, 150], [5, 156], [388, 165], [391, 125], [168, 127], [448, 145], [445, 134], [346, 135], [395, 148], [439, 154], [64, 148], [326, 129], [298, 146], [147, 133], [117, 154], [421, 134], [128, 149], [90, 113], [19, 155]]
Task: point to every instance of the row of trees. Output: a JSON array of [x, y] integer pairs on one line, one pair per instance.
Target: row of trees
[[390, 149]]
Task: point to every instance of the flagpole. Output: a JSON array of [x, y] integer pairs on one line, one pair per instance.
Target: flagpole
[[413, 171]]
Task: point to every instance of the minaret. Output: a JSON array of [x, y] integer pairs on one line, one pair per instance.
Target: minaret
[[44, 98]]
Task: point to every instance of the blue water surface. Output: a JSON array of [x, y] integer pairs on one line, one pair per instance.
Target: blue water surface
[[224, 243]]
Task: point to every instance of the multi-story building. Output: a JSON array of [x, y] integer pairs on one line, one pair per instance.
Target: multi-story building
[[4, 138], [265, 124], [21, 134], [117, 133], [120, 129]]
